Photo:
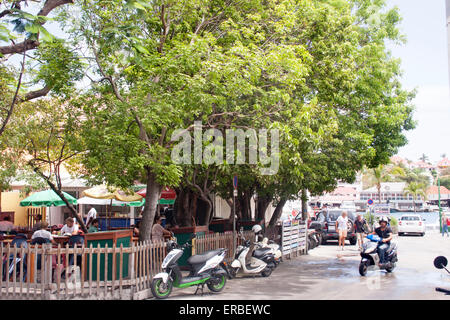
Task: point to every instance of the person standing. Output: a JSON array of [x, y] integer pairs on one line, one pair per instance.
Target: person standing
[[360, 223], [445, 222], [92, 214], [341, 227]]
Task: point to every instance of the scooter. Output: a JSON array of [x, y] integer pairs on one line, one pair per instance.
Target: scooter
[[206, 268], [369, 255], [262, 260], [441, 263], [274, 249]]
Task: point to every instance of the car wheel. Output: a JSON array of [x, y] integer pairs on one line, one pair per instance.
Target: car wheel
[[324, 241], [422, 234], [353, 241]]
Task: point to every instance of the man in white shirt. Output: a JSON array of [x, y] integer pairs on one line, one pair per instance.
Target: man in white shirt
[[341, 227], [70, 227], [92, 214], [43, 233]]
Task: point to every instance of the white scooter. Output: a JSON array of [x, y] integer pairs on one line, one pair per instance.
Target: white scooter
[[274, 249], [262, 260]]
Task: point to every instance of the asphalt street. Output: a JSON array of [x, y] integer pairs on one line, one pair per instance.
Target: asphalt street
[[328, 273]]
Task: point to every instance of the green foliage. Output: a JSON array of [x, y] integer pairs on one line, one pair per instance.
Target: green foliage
[[445, 182], [60, 68]]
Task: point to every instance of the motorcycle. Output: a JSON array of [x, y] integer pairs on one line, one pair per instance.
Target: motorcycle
[[207, 268], [441, 263], [262, 260], [314, 238], [369, 255]]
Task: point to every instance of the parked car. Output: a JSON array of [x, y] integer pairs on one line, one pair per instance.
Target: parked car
[[411, 223], [325, 223]]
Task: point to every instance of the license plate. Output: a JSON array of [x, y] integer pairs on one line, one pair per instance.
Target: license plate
[[331, 228]]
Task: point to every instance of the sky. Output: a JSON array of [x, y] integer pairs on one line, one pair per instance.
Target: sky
[[425, 68]]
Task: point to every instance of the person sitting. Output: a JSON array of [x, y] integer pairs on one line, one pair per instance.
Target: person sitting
[[158, 231], [42, 233], [6, 225], [136, 229], [69, 228], [386, 234], [94, 226], [37, 225]]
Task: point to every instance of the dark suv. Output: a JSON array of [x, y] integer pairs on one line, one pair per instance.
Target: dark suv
[[325, 223]]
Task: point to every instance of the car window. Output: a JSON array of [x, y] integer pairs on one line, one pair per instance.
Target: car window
[[321, 217], [333, 215]]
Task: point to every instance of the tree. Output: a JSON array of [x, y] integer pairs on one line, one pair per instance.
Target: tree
[[25, 32], [416, 189], [42, 144], [424, 157], [381, 174]]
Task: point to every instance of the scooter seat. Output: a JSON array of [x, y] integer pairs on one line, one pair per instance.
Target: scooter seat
[[203, 257], [260, 252]]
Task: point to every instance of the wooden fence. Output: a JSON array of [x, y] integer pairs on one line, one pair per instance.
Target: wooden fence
[[219, 240], [32, 213], [59, 273], [47, 272]]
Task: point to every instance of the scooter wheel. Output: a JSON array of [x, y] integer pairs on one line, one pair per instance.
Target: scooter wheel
[[363, 268], [267, 272], [161, 290], [390, 268], [233, 272], [217, 283]]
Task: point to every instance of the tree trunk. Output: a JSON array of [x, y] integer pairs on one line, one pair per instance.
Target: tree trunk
[[304, 205], [208, 211], [379, 192], [263, 203], [151, 203], [277, 213]]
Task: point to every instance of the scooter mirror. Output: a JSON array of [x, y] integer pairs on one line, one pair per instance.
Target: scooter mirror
[[440, 262]]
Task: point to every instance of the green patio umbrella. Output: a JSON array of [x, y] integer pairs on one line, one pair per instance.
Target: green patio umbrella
[[47, 198]]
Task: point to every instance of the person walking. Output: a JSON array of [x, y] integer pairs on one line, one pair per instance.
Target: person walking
[[360, 223], [341, 226], [445, 224]]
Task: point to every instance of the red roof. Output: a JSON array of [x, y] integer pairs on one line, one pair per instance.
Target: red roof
[[434, 190], [444, 163], [344, 191]]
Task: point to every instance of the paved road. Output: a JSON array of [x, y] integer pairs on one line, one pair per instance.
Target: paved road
[[326, 273]]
